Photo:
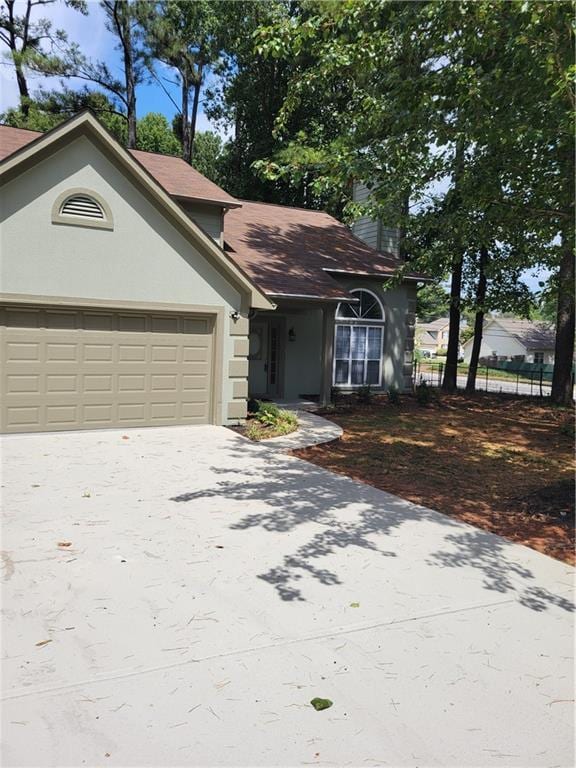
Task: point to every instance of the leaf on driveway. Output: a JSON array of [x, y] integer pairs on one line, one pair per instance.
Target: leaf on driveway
[[320, 704], [354, 605], [86, 495], [43, 642], [64, 544]]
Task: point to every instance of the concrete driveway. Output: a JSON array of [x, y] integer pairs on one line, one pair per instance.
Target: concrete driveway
[[178, 596]]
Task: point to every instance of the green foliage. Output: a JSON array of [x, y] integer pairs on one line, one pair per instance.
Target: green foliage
[[155, 135], [47, 109], [207, 156], [432, 302], [34, 44], [186, 37], [271, 421], [459, 114], [393, 396]]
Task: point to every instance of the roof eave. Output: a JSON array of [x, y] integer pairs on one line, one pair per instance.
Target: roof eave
[[228, 204], [382, 275]]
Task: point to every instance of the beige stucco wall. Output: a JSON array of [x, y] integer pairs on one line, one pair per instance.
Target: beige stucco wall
[[145, 258], [209, 217], [302, 356]]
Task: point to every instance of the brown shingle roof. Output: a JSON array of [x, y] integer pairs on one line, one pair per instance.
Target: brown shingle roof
[[174, 174], [292, 251]]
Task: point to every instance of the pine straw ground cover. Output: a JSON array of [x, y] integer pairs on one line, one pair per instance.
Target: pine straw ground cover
[[502, 464]]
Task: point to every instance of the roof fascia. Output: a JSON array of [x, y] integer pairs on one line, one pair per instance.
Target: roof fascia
[[208, 201]]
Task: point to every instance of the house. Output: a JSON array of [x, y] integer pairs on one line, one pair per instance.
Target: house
[[136, 292], [433, 336], [507, 338]]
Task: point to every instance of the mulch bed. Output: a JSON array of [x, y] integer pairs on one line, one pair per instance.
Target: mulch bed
[[504, 464]]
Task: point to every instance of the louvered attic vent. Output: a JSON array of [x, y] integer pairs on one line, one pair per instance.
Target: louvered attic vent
[[82, 206]]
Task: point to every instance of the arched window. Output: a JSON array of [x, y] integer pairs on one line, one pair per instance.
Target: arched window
[[367, 307], [82, 208], [359, 340]]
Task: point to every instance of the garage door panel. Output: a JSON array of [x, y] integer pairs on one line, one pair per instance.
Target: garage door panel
[[98, 414], [61, 382], [23, 416], [84, 369]]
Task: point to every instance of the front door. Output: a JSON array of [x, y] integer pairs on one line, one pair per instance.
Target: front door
[[264, 358]]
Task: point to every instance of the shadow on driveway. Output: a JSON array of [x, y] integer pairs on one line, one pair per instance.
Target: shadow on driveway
[[352, 514]]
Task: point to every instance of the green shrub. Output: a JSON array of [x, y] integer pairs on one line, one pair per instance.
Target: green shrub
[[268, 414], [423, 393], [271, 421], [393, 396]]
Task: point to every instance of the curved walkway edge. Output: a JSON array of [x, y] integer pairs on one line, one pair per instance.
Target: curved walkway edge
[[312, 430]]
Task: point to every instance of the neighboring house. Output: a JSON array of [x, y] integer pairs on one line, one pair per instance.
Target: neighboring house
[[510, 339], [433, 336], [136, 292]]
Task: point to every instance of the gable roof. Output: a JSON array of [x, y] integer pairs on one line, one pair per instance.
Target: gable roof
[[533, 336], [294, 251], [85, 124], [174, 174], [291, 252]]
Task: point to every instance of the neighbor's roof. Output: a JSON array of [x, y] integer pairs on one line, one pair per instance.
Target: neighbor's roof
[[434, 325], [293, 251], [538, 336], [174, 174]]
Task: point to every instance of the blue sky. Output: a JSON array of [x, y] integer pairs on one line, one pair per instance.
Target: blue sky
[[97, 43]]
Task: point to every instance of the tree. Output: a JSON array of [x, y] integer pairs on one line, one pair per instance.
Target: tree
[[467, 109], [122, 21], [247, 98], [155, 135], [47, 109], [187, 38], [207, 155], [432, 302], [33, 43]]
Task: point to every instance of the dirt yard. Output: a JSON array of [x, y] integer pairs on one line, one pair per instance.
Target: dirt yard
[[502, 464]]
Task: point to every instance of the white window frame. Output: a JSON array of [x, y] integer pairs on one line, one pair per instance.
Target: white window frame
[[358, 324], [348, 320], [365, 323]]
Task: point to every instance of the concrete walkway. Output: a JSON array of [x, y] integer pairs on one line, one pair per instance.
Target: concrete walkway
[[176, 597], [312, 430]]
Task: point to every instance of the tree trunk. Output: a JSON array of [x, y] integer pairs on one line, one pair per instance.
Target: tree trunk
[[562, 385], [478, 321], [186, 144], [450, 381], [194, 116], [129, 75], [23, 91]]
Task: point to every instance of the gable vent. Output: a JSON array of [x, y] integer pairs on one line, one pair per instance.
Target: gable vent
[[82, 206]]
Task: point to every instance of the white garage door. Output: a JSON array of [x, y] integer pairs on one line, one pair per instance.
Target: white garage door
[[84, 369]]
